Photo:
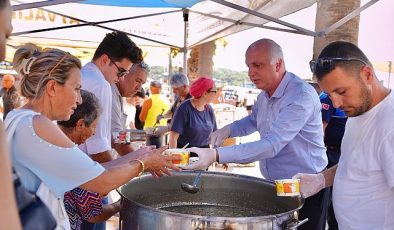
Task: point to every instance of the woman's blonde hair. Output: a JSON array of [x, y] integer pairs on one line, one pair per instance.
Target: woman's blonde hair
[[37, 67]]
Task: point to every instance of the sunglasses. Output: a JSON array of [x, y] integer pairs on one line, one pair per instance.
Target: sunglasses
[[329, 63], [121, 72]]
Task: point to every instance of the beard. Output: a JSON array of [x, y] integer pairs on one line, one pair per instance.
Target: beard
[[366, 101]]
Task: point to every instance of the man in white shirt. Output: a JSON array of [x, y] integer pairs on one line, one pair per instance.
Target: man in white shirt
[[363, 192], [113, 58]]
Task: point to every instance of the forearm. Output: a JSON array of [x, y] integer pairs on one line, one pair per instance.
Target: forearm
[[102, 157], [123, 149], [329, 175], [242, 127], [113, 177], [173, 141], [10, 216], [108, 211], [167, 114]]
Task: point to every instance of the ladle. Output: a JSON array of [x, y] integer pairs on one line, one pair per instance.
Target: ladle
[[192, 188]]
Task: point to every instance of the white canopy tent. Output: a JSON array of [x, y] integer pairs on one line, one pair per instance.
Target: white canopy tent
[[179, 24]]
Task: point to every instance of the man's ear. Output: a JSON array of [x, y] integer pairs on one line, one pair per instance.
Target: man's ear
[[278, 64], [80, 124], [367, 74], [104, 59]]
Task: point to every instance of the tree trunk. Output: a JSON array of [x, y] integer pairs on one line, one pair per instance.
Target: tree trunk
[[329, 12], [200, 62]]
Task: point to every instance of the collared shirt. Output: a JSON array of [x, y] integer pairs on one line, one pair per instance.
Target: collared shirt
[[94, 81], [291, 131], [118, 116]]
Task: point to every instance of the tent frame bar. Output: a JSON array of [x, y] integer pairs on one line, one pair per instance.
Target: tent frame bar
[[26, 6], [266, 17]]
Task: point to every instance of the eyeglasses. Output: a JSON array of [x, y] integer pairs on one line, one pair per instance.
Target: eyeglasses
[[121, 72], [212, 91], [327, 64]]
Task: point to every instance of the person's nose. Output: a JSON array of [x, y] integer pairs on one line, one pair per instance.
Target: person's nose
[[336, 101]]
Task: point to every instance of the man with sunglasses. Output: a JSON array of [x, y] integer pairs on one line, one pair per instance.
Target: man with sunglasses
[[287, 115], [113, 57], [363, 192]]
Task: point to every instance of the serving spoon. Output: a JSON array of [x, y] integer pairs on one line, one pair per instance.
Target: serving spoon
[[192, 188]]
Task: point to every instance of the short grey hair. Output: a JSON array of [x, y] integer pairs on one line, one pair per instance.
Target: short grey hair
[[141, 65], [178, 80]]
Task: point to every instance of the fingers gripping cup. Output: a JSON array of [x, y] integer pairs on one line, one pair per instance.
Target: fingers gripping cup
[[287, 187], [183, 153]]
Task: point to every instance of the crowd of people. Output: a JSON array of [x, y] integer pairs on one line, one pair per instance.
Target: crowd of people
[[60, 140]]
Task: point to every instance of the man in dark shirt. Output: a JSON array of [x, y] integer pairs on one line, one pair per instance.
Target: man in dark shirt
[[9, 95], [180, 86]]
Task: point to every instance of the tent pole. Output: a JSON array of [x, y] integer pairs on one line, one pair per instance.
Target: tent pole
[[185, 38], [390, 65]]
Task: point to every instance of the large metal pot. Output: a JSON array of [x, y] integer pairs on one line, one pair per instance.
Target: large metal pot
[[225, 201]]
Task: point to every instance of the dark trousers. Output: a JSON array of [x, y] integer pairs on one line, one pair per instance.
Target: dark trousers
[[333, 155], [315, 209]]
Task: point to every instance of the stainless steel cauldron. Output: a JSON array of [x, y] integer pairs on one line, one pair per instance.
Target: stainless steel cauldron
[[225, 201]]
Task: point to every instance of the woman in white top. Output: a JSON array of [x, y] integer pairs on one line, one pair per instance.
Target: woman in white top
[[41, 152]]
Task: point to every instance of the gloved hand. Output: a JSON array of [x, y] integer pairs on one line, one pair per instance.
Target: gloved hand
[[310, 184], [217, 138], [206, 158], [158, 118]]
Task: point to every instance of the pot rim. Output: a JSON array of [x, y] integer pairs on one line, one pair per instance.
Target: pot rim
[[238, 219]]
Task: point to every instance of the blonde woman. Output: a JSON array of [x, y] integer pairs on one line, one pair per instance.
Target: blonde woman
[[42, 153]]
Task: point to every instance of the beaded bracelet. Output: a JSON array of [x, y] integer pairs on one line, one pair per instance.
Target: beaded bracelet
[[142, 164]]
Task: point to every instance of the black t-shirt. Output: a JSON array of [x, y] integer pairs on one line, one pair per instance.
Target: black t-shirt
[[137, 122]]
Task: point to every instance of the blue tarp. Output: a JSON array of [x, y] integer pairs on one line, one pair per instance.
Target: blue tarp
[[144, 3]]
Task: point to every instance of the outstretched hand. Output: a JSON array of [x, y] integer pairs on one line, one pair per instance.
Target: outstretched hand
[[206, 158], [158, 164]]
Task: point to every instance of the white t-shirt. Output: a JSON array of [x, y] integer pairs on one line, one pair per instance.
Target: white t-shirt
[[94, 81], [363, 193], [130, 111]]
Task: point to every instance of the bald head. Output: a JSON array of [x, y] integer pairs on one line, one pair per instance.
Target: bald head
[[274, 51], [8, 81]]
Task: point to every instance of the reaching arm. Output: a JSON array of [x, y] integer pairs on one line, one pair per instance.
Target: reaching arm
[[108, 211], [102, 157], [123, 149], [329, 175], [145, 107], [173, 139], [9, 216]]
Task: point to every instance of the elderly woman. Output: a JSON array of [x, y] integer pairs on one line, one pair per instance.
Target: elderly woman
[[42, 153], [84, 207], [195, 120]]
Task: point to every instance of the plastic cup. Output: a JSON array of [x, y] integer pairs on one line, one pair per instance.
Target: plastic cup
[[183, 153], [287, 187]]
